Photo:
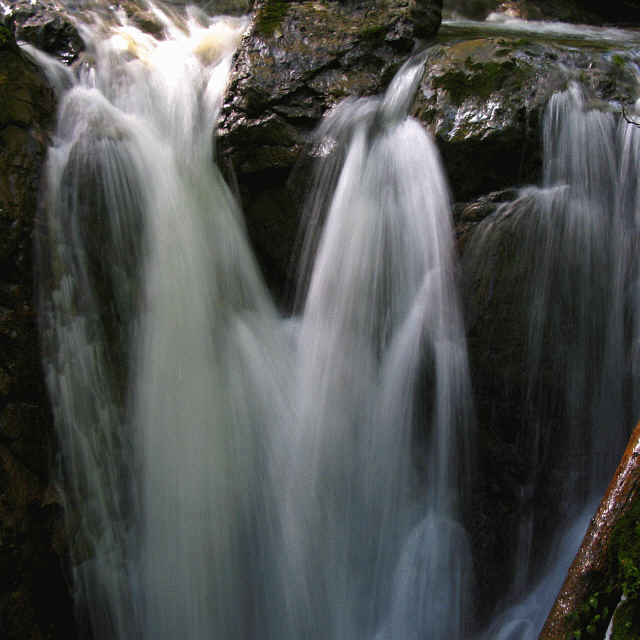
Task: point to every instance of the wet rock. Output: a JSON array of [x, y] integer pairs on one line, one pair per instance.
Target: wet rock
[[467, 216], [142, 18], [299, 60], [34, 599], [482, 97], [47, 26], [483, 100], [496, 320]]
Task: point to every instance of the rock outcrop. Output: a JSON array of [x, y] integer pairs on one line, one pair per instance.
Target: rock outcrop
[[483, 99], [34, 600], [299, 60], [47, 26]]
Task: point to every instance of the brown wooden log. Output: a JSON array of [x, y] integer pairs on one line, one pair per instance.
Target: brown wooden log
[[592, 555]]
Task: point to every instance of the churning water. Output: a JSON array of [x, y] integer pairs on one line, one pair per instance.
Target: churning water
[[230, 473]]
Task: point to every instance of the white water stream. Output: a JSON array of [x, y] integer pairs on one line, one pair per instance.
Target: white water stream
[[577, 273], [230, 473]]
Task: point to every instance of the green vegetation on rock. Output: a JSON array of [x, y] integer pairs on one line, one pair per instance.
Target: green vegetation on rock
[[478, 80], [270, 16], [592, 619], [621, 578], [625, 571]]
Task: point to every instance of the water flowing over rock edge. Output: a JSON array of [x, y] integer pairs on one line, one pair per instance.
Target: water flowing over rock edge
[[471, 218]]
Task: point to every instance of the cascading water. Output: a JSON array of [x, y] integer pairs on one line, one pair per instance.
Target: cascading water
[[576, 278], [156, 308], [381, 354], [228, 473]]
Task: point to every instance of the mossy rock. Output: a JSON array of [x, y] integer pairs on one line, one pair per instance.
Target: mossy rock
[[269, 16], [615, 591], [6, 37], [625, 561], [483, 98]]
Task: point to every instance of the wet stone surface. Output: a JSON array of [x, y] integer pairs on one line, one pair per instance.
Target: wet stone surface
[[483, 100], [34, 598]]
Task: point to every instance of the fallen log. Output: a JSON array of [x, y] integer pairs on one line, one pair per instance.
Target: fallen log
[[591, 558]]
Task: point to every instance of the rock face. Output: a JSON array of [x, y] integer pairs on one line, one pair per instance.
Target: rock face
[[482, 97], [483, 100], [299, 60], [34, 601], [46, 26]]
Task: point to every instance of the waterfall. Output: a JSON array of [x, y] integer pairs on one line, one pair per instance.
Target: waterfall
[[383, 372], [231, 473], [575, 284], [155, 331], [228, 472]]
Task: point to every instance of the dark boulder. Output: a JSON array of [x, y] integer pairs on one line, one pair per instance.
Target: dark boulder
[[47, 26]]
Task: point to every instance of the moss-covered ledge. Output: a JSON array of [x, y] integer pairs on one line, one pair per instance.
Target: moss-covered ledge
[[34, 597]]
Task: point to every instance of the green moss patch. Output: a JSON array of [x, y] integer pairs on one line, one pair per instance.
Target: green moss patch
[[479, 79], [592, 619], [270, 16], [625, 561], [622, 577], [374, 32]]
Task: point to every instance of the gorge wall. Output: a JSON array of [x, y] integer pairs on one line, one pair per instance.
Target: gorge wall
[[34, 594]]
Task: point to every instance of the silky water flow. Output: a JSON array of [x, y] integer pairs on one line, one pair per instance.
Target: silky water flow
[[229, 473], [576, 278]]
